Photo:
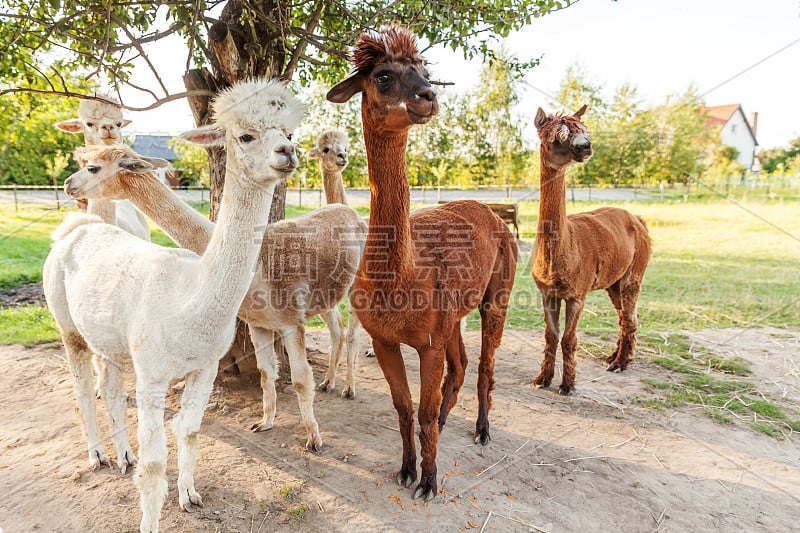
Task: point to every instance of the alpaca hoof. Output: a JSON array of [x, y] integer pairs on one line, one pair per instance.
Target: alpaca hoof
[[370, 353], [565, 390], [260, 426], [482, 437], [190, 501], [426, 490], [130, 402], [542, 382], [326, 386], [127, 459], [405, 477], [314, 447], [349, 393], [98, 459]]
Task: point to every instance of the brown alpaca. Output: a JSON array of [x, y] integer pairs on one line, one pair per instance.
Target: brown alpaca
[[607, 248], [421, 273]]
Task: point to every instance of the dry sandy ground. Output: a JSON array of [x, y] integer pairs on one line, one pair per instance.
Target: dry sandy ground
[[595, 461]]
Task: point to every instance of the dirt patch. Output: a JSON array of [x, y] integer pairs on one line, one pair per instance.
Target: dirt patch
[[28, 294], [594, 461]]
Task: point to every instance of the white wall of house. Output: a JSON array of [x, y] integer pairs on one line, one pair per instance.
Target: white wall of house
[[736, 133]]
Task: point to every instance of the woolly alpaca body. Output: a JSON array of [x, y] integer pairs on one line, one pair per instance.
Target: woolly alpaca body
[[443, 262], [607, 248], [171, 311], [306, 267]]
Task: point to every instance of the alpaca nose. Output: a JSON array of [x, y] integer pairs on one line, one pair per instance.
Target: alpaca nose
[[582, 143], [426, 93], [285, 149], [68, 185]]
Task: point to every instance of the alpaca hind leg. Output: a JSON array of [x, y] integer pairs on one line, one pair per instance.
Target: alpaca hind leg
[[303, 381], [116, 401], [264, 344], [353, 325], [615, 296], [629, 322], [150, 477], [186, 426], [80, 366], [493, 316], [99, 364], [333, 319], [552, 312], [569, 343], [456, 355], [394, 370], [431, 368]]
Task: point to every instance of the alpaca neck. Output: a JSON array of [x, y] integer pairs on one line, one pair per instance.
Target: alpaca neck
[[334, 186], [388, 247], [228, 264], [184, 225], [552, 229], [105, 209]]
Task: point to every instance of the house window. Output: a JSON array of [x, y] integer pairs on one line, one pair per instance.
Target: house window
[[733, 128]]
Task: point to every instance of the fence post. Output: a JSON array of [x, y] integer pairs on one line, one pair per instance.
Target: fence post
[[300, 195], [320, 197], [58, 200], [15, 198]]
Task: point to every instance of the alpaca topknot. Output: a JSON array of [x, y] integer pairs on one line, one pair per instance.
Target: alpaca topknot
[[258, 104], [90, 109], [393, 43]]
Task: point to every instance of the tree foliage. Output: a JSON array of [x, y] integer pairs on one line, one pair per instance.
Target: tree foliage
[[781, 160]]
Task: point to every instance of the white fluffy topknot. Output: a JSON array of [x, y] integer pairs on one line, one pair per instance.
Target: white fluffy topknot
[[258, 104]]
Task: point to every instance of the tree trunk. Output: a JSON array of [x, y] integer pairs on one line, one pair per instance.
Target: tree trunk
[[238, 51]]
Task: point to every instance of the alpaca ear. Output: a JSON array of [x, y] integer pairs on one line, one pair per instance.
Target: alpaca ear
[[313, 153], [345, 89], [132, 164], [73, 125], [78, 155], [125, 122], [157, 162], [579, 113], [204, 136], [541, 118]]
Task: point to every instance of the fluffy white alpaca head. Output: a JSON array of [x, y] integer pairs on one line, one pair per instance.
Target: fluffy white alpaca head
[[99, 121], [331, 150], [254, 120]]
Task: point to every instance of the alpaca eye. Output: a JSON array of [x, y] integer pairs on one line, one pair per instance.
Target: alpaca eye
[[326, 150], [289, 136], [90, 124], [93, 169], [382, 78], [119, 124], [246, 138]]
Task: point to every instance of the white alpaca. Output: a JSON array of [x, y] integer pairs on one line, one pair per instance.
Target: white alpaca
[[307, 266], [172, 312], [101, 123], [331, 150]]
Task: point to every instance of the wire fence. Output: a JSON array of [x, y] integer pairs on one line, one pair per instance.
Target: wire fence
[[785, 187]]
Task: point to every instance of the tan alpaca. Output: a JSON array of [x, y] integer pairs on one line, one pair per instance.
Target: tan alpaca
[[307, 266], [171, 311], [421, 273], [331, 150], [607, 248]]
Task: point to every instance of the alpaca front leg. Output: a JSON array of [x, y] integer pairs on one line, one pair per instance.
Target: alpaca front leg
[[552, 312], [456, 355], [80, 366], [303, 381], [186, 426], [116, 401], [264, 344], [333, 319], [394, 370], [431, 368], [353, 324], [151, 471], [569, 344]]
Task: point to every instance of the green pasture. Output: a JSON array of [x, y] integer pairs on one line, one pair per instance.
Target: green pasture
[[716, 264]]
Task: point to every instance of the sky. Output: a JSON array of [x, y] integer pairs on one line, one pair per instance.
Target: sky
[[662, 47]]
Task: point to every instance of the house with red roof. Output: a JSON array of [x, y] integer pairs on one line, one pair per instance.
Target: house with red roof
[[735, 130]]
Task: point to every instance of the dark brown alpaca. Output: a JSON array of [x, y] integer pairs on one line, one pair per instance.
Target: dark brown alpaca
[[607, 248], [420, 274]]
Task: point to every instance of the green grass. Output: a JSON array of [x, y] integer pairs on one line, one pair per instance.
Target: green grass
[[27, 325]]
